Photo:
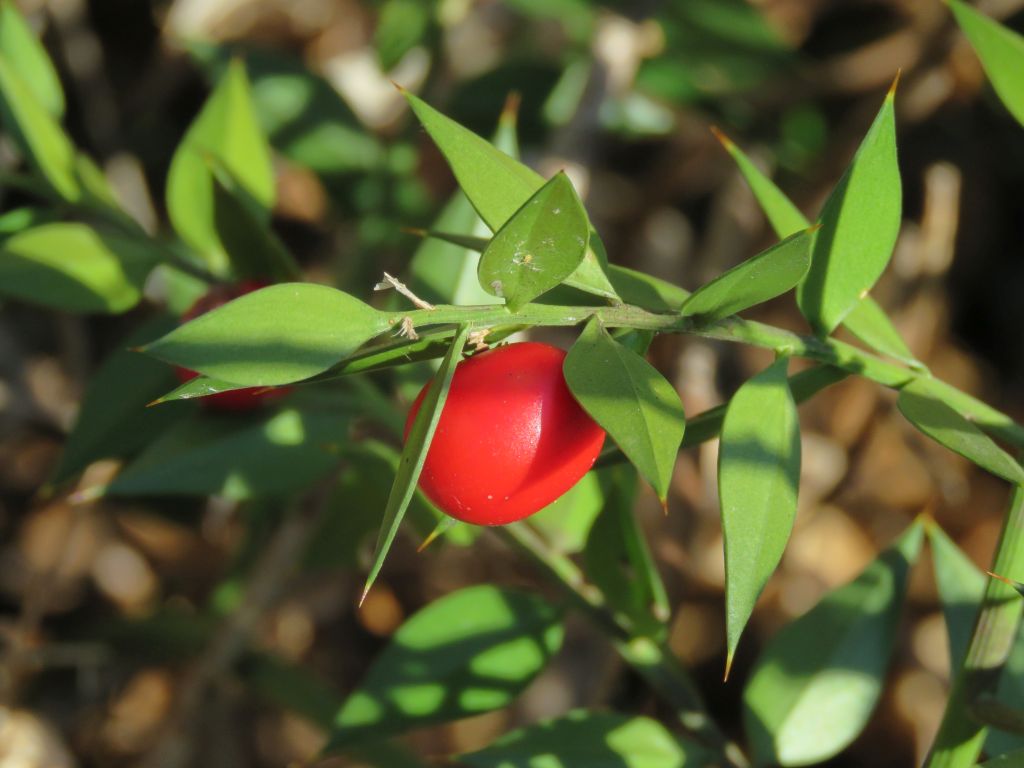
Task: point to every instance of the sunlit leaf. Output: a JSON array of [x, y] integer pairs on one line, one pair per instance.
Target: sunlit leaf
[[37, 133], [647, 291], [593, 740], [859, 225], [945, 426], [538, 247], [278, 453], [498, 185], [764, 276], [414, 454], [630, 400], [226, 130], [469, 652], [819, 678], [1001, 51], [758, 480], [276, 335], [113, 421], [74, 268], [20, 47], [867, 320]]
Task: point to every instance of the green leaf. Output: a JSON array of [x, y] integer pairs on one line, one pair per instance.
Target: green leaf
[[867, 320], [820, 677], [20, 47], [630, 400], [539, 247], [274, 454], [276, 335], [226, 130], [618, 562], [591, 740], [241, 224], [869, 323], [37, 133], [444, 267], [859, 225], [74, 268], [758, 480], [765, 276], [646, 291], [785, 218], [302, 115], [961, 589], [1001, 51], [414, 453], [566, 522], [472, 651], [401, 25], [945, 426], [1013, 759], [113, 421], [498, 185], [20, 219]]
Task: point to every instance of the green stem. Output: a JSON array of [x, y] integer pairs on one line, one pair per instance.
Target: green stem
[[962, 733], [829, 351], [651, 659]]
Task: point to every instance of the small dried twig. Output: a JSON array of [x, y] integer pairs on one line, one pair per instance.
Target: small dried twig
[[402, 288]]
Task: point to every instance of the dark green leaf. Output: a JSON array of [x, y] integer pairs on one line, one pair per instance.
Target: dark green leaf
[[239, 458], [820, 677], [276, 335], [539, 247], [961, 588], [859, 225], [947, 427], [591, 740], [226, 130], [758, 479], [241, 224], [291, 687], [472, 651], [618, 562], [20, 47], [765, 276], [629, 399], [72, 267], [37, 133], [414, 453], [1013, 759], [113, 420], [1001, 51]]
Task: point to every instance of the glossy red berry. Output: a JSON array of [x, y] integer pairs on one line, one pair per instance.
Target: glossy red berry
[[237, 399], [511, 438]]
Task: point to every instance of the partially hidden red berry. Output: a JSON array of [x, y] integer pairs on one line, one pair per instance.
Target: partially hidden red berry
[[236, 399], [511, 438]]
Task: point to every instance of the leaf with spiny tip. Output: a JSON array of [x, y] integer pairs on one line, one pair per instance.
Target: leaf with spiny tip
[[414, 453]]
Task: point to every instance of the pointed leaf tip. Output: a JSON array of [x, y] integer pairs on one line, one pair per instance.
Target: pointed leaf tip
[[510, 110], [728, 667], [724, 140], [400, 88], [895, 82]]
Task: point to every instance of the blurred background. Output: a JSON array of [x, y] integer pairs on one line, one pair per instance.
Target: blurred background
[[622, 95]]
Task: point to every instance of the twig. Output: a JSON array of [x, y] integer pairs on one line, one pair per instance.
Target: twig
[[174, 748], [402, 288]]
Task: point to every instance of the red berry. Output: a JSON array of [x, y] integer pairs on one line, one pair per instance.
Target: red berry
[[236, 399], [511, 438]]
